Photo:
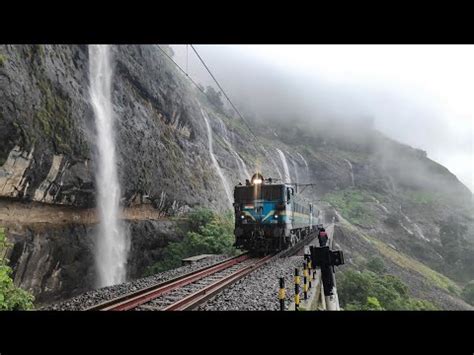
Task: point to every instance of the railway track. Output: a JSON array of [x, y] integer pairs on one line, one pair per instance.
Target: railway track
[[188, 291]]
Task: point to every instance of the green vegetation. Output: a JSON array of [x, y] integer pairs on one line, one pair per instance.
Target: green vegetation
[[53, 119], [369, 291], [351, 204], [2, 60], [406, 262], [375, 264], [208, 233], [422, 198], [409, 263], [12, 298]]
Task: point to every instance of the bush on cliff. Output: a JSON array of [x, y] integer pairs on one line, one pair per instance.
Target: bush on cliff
[[370, 291], [209, 233], [12, 298]]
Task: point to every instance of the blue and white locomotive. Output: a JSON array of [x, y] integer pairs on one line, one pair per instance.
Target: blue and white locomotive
[[271, 216]]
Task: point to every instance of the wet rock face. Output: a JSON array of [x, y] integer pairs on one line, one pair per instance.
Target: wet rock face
[[55, 263], [47, 155], [160, 133], [44, 112]]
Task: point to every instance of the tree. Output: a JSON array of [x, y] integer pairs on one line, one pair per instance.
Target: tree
[[370, 291], [12, 298], [209, 233], [376, 265]]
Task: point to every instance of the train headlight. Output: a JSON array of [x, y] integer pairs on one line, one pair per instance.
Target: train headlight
[[242, 217], [275, 216], [257, 179]]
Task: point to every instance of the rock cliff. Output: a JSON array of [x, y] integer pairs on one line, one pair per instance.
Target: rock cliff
[[387, 192]]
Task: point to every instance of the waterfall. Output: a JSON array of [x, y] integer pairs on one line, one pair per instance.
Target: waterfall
[[305, 164], [273, 162], [214, 160], [112, 242], [243, 171], [295, 168], [352, 171], [415, 226], [382, 206], [420, 232], [285, 165]]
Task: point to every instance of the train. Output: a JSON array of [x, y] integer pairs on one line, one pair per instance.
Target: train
[[271, 216]]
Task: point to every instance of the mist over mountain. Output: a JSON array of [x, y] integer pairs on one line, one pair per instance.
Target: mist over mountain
[[416, 95], [179, 149]]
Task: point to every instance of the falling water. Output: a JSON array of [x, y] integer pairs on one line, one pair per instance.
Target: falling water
[[214, 160], [420, 232], [273, 162], [415, 226], [244, 173], [382, 206], [305, 164], [352, 171], [285, 165], [112, 241], [295, 168]]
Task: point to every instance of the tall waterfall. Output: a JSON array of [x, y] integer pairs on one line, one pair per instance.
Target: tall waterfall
[[285, 165], [112, 242], [214, 160]]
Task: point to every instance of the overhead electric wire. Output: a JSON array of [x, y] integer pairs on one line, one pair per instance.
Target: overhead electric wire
[[184, 72], [223, 91], [200, 88]]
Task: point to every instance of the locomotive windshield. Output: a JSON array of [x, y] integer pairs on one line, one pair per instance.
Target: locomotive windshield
[[259, 192]]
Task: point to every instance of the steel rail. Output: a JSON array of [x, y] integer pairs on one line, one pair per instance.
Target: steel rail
[[195, 299], [202, 295], [134, 299]]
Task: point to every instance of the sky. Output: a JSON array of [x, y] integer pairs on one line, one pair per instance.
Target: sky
[[421, 95]]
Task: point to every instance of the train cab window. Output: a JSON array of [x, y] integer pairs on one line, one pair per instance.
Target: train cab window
[[272, 192]]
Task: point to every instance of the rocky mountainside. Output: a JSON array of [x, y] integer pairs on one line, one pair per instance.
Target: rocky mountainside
[[178, 150]]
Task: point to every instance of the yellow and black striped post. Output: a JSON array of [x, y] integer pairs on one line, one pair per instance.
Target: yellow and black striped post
[[297, 289], [305, 280], [310, 273], [282, 294]]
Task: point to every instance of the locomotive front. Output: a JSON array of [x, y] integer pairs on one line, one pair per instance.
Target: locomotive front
[[260, 215]]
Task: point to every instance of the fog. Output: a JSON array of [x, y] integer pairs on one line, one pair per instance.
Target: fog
[[418, 95]]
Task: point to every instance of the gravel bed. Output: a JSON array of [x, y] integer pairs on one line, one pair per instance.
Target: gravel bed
[[259, 290], [182, 292], [91, 298]]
